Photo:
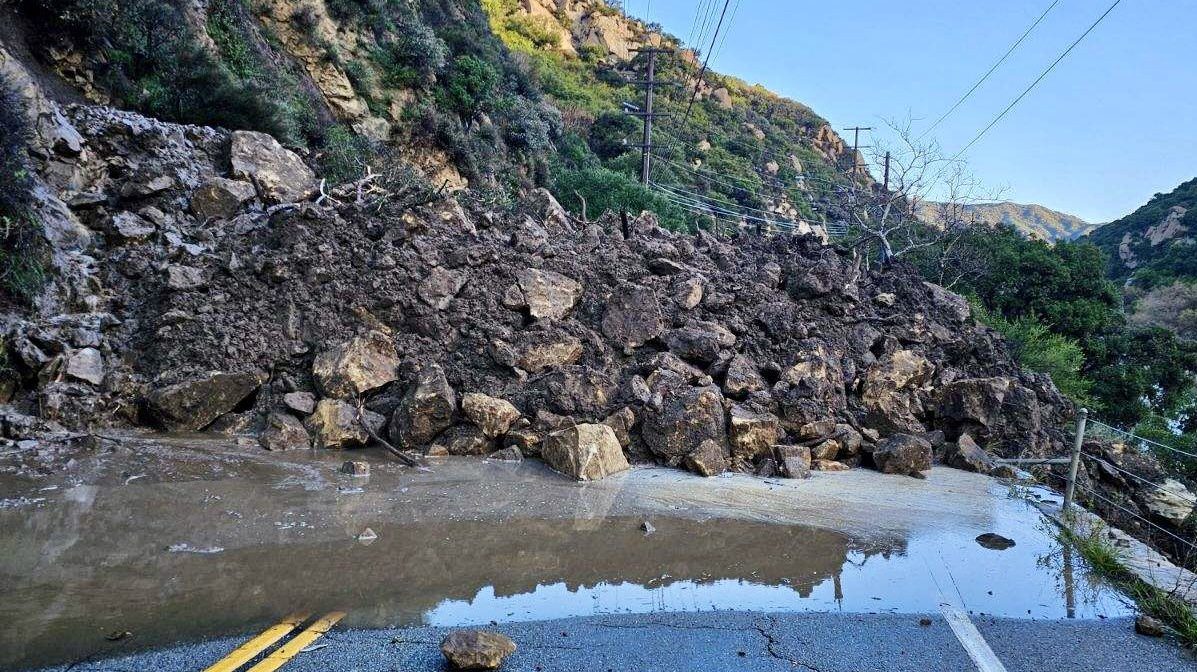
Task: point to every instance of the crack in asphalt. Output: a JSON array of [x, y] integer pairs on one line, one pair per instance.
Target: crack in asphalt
[[771, 643]]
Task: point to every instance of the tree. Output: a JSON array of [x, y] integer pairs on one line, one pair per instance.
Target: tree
[[903, 219]]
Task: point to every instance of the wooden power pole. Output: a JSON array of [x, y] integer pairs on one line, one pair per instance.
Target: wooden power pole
[[856, 145], [886, 173], [650, 84]]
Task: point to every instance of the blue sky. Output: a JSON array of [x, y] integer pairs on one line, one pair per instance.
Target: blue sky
[[1113, 124]]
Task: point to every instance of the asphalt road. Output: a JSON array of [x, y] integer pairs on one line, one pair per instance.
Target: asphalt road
[[745, 642]]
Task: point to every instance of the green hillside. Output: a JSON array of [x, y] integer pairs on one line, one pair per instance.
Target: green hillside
[[1154, 245]]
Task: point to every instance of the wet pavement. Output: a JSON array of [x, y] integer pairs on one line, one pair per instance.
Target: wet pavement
[[183, 540]]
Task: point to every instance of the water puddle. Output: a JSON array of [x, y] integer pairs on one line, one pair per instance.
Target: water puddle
[[217, 540]]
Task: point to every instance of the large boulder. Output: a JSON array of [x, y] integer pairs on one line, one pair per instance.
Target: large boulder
[[284, 432], [493, 416], [352, 368], [965, 454], [546, 294], [278, 173], [974, 401], [425, 411], [578, 390], [335, 424], [795, 461], [682, 416], [476, 649], [586, 452], [708, 459], [632, 316], [891, 391], [812, 389], [903, 454], [193, 404], [752, 434]]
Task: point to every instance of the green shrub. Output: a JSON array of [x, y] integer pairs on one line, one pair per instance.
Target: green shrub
[[612, 133], [603, 189], [470, 85], [23, 252], [149, 60], [1039, 349], [411, 54]]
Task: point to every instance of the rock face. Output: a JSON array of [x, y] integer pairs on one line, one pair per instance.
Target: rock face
[[584, 452], [903, 454], [194, 404], [362, 364], [278, 173], [1172, 501], [476, 649], [426, 411]]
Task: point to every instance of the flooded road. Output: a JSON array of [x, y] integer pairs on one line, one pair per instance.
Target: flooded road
[[176, 540]]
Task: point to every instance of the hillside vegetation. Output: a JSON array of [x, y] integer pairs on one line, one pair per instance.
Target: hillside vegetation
[[1154, 245]]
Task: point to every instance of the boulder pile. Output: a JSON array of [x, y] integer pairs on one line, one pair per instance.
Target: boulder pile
[[215, 294]]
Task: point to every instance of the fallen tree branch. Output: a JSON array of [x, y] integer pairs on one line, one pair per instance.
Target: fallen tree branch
[[403, 457]]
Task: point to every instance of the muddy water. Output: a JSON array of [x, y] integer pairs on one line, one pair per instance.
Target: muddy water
[[179, 539]]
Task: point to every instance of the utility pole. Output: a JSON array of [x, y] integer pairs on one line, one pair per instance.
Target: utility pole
[[650, 84], [856, 145], [886, 190]]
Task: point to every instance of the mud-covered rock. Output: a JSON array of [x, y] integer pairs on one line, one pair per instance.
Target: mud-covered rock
[[586, 452], [708, 459], [903, 454], [892, 389], [742, 377], [632, 316], [699, 340], [547, 294], [427, 410], [681, 417], [284, 432], [221, 197], [751, 434], [193, 404], [493, 416], [336, 424], [359, 365], [795, 461]]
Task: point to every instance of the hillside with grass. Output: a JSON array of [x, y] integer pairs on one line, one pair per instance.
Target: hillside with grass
[[1033, 221]]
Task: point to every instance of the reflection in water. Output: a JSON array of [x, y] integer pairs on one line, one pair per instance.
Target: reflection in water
[[520, 545]]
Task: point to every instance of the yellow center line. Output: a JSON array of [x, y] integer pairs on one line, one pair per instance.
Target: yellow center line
[[244, 653], [287, 651]]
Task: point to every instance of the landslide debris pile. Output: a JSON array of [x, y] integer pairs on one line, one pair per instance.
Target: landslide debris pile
[[206, 285]]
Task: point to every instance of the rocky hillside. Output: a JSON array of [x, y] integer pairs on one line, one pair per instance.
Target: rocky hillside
[[1153, 246], [1033, 221]]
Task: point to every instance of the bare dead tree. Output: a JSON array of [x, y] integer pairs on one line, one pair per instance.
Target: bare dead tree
[[925, 206]]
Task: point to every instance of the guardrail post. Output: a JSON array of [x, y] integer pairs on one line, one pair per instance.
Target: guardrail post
[[1070, 488]]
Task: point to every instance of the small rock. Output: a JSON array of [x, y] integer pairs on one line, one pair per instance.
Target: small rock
[[994, 542], [647, 527], [828, 465], [367, 537], [182, 278], [925, 622], [300, 402], [355, 468], [131, 227], [794, 460], [334, 424], [1146, 625], [508, 454], [221, 197], [476, 649]]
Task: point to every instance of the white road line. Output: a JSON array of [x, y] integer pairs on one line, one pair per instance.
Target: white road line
[[972, 641]]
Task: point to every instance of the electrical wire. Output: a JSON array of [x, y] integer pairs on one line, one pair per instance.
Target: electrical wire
[[1038, 79], [995, 66]]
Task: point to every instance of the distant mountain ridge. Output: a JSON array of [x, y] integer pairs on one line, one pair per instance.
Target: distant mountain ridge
[[1033, 221]]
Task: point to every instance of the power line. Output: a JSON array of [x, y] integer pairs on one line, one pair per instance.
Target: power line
[[1035, 83], [992, 69], [719, 49], [706, 61]]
